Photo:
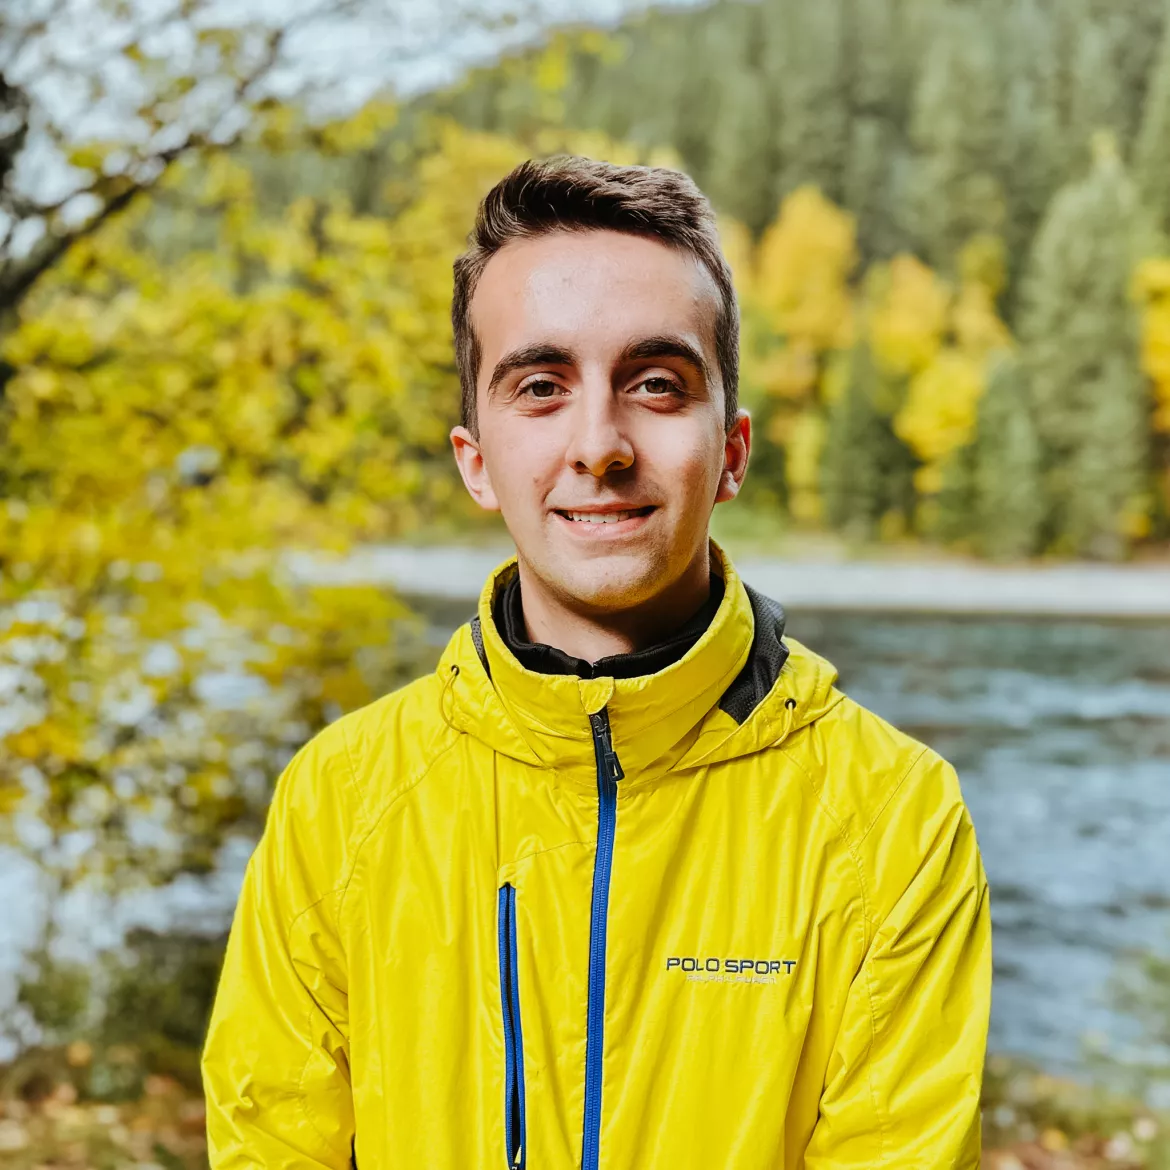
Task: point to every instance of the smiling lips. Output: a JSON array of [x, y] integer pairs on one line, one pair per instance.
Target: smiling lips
[[609, 516]]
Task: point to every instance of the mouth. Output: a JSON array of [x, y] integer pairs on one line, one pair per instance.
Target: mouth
[[605, 516]]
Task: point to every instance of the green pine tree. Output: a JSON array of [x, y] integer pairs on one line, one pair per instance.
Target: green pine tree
[[1097, 101], [956, 125], [807, 64], [1152, 150], [877, 150], [1006, 495], [743, 153], [1133, 30], [1031, 138], [1078, 327], [867, 471], [951, 514]]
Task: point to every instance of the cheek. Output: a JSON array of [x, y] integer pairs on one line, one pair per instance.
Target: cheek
[[688, 462], [522, 463]]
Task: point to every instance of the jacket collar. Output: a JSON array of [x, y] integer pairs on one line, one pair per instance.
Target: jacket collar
[[544, 718], [507, 609]]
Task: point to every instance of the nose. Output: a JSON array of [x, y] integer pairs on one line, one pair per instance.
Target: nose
[[598, 443]]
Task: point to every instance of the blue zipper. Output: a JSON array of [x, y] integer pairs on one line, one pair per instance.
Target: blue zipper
[[609, 772], [514, 1120]]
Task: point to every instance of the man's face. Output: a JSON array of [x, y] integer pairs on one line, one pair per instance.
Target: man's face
[[601, 416]]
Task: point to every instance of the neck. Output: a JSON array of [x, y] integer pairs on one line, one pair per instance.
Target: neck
[[593, 634]]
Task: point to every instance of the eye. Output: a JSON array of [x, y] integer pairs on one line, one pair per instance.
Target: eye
[[542, 388], [658, 386]]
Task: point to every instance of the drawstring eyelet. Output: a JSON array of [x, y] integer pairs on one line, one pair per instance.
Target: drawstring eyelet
[[790, 704], [452, 675]]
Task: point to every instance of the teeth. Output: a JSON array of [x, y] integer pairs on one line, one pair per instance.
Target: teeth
[[600, 517]]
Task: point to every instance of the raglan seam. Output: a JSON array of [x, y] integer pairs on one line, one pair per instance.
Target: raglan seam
[[353, 778], [914, 760], [841, 833], [391, 801], [343, 884], [341, 889]]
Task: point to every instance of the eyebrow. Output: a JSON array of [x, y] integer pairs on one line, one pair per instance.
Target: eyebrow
[[546, 354], [666, 346], [540, 354]]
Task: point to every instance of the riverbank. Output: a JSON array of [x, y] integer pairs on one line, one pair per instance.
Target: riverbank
[[895, 585]]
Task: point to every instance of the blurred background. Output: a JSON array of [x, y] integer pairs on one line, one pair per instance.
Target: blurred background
[[228, 513]]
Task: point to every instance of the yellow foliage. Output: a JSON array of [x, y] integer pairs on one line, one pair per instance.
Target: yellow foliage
[[791, 372], [174, 427], [983, 261], [977, 326], [739, 251], [939, 413], [597, 144], [802, 467], [1152, 288], [909, 315], [362, 130], [551, 71], [802, 271], [941, 341]]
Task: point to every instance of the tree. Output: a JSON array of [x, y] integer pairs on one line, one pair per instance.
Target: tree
[[797, 311], [1152, 149], [743, 157], [177, 114], [1008, 498], [956, 124], [956, 331], [173, 78], [866, 470], [1096, 104], [1032, 154], [174, 428], [852, 485], [807, 63], [1079, 331], [1152, 286]]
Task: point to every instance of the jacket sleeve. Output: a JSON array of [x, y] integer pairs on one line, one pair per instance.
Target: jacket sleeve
[[905, 1075], [276, 1060]]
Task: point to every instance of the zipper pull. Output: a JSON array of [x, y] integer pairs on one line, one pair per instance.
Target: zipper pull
[[518, 1161], [601, 731]]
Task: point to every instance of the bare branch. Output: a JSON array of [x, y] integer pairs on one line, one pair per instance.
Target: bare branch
[[242, 61]]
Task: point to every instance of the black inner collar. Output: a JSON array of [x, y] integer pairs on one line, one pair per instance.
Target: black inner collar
[[536, 656]]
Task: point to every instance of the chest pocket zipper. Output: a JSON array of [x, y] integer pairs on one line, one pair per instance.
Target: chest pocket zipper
[[514, 1121]]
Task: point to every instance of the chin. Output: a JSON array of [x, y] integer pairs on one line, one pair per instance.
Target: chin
[[609, 583]]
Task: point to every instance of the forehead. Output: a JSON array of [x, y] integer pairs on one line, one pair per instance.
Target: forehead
[[591, 290]]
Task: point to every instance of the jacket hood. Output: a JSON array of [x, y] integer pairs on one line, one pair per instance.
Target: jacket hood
[[741, 688]]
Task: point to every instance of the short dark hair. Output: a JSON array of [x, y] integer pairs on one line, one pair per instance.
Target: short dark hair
[[572, 194]]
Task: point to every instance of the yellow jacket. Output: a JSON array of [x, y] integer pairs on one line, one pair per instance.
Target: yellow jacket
[[719, 916]]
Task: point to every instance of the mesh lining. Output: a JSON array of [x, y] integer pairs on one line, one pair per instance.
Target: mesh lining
[[477, 640], [765, 660], [759, 674]]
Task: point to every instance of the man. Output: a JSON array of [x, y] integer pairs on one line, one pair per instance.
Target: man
[[625, 883]]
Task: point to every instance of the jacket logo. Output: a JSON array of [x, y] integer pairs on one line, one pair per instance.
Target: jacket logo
[[716, 970]]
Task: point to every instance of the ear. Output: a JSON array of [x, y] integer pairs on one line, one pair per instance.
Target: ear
[[736, 448], [469, 460]]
